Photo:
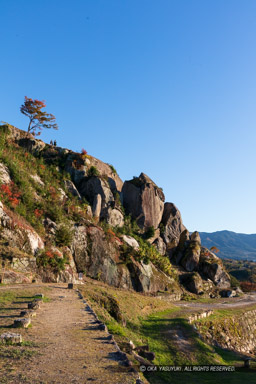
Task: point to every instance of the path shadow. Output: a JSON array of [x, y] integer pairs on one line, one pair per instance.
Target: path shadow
[[91, 328], [14, 309]]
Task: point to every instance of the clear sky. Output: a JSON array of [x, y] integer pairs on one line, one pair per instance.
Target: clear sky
[[164, 87]]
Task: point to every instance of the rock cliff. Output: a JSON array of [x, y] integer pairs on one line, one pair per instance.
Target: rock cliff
[[64, 213]]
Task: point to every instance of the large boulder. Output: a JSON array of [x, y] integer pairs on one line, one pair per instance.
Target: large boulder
[[191, 257], [113, 217], [192, 282], [32, 145], [211, 267], [147, 278], [144, 201], [172, 223], [195, 237]]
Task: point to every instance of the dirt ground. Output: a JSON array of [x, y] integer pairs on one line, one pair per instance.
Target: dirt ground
[[64, 345]]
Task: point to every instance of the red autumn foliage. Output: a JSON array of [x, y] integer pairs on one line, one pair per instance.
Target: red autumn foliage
[[10, 193], [83, 152], [38, 119], [49, 254], [38, 212], [214, 249]]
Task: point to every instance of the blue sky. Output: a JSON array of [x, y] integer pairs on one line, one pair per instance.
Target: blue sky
[[157, 86]]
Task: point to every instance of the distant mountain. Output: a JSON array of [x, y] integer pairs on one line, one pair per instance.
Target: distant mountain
[[231, 244]]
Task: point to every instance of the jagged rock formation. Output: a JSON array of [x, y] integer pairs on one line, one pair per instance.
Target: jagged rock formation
[[144, 201], [59, 230]]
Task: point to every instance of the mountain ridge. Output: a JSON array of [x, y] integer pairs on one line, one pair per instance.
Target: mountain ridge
[[231, 244]]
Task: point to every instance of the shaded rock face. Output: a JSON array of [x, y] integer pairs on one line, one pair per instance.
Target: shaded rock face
[[144, 201], [32, 145], [173, 226], [70, 186], [211, 266], [160, 245], [100, 259], [146, 278], [93, 186], [193, 282], [191, 257]]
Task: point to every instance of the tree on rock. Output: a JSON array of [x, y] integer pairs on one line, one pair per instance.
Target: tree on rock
[[38, 119]]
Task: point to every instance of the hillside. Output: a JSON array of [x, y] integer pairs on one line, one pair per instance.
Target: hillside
[[231, 245], [66, 214]]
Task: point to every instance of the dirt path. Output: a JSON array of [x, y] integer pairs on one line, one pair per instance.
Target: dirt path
[[72, 348]]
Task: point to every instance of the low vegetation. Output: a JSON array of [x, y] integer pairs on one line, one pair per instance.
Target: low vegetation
[[164, 328]]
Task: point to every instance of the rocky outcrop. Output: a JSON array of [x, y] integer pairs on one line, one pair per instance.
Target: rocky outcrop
[[172, 223], [113, 217], [106, 170], [96, 206], [191, 257], [100, 259], [93, 186], [98, 192], [193, 282], [4, 174], [144, 201], [32, 145], [146, 278], [195, 237], [160, 245], [106, 255], [18, 233], [71, 188], [211, 266], [131, 242]]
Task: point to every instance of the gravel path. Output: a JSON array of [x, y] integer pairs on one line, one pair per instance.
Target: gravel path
[[72, 348]]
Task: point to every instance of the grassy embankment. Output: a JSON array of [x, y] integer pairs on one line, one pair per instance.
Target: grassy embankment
[[164, 327]]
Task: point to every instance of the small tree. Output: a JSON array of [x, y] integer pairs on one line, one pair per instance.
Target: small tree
[[38, 119], [214, 249]]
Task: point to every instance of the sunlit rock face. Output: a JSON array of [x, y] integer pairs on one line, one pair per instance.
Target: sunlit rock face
[[144, 200]]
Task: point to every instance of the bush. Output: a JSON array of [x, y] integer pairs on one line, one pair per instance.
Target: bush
[[51, 260], [149, 233], [92, 171], [64, 235], [234, 282], [112, 169]]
